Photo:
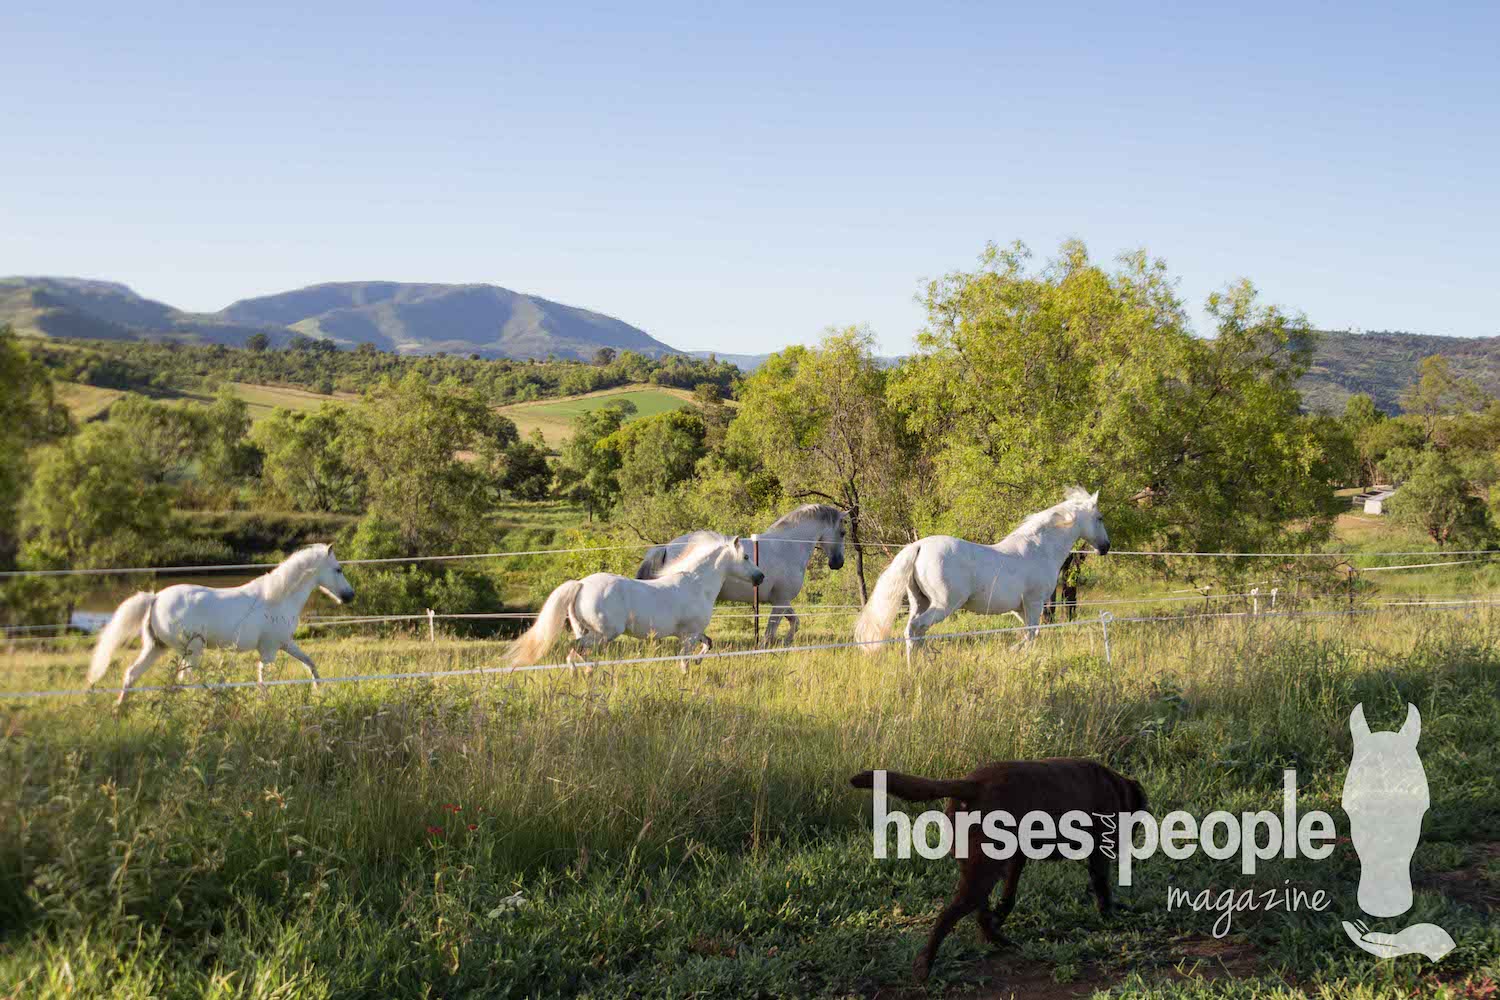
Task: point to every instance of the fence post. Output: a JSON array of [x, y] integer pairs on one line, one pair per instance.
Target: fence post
[[1352, 574], [431, 627], [755, 599], [1273, 598], [1255, 600], [1104, 619]]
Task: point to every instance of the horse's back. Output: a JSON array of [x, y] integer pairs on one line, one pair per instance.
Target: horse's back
[[223, 617]]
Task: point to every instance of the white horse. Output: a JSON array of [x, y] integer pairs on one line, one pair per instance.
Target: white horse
[[260, 615], [940, 574], [786, 547], [602, 606]]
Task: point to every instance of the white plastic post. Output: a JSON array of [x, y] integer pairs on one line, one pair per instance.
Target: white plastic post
[[1104, 619], [431, 627], [1255, 600], [1273, 598]]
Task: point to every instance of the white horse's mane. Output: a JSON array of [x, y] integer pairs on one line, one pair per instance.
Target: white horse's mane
[[822, 512], [692, 554], [1060, 515], [293, 570]]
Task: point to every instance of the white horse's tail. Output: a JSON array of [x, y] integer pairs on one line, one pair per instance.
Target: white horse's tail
[[125, 622], [656, 557], [880, 611], [549, 625]]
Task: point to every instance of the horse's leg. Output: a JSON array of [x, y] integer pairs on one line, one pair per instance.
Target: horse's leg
[[772, 624], [1031, 613], [190, 658], [792, 621], [296, 651], [150, 653], [582, 646], [916, 602]]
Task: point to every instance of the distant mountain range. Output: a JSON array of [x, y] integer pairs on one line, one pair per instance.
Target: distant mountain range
[[394, 316], [495, 322]]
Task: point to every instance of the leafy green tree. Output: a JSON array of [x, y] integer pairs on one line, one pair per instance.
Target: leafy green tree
[[658, 452], [524, 472], [818, 420], [1360, 415], [166, 437], [1027, 381], [308, 461], [1438, 394], [93, 502], [226, 456], [257, 342], [425, 451], [30, 415], [587, 468], [1438, 499]]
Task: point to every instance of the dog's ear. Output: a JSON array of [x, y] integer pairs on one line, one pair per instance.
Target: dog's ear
[[864, 779]]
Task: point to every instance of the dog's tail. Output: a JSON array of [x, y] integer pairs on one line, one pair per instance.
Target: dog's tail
[[124, 623], [916, 789], [880, 611], [550, 622]]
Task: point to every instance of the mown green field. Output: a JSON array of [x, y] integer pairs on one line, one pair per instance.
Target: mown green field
[[554, 417], [645, 834]]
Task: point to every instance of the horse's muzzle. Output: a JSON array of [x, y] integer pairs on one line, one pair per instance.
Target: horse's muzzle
[[757, 578], [836, 562], [346, 596], [1103, 549]]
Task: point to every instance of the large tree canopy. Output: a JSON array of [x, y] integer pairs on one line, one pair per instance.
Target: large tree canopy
[[1027, 381]]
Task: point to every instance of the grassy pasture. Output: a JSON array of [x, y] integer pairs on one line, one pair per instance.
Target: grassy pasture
[[87, 402], [644, 834], [554, 417]]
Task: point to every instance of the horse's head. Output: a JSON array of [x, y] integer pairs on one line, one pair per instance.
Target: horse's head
[[832, 540], [1090, 525], [331, 579], [1385, 795], [739, 565]]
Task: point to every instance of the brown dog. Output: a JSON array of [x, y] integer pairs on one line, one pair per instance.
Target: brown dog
[[1054, 786]]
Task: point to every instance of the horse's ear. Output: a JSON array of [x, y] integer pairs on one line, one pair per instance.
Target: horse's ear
[[1358, 728], [1095, 498], [1411, 731], [735, 542]]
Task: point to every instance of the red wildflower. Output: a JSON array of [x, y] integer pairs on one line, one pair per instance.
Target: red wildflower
[[473, 827], [455, 810], [435, 831]]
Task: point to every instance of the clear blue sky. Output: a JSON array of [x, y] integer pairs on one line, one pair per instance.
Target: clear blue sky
[[740, 176]]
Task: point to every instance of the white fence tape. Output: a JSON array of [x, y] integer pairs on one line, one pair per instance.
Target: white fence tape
[[726, 655]]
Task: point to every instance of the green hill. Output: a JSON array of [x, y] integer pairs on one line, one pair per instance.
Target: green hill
[[407, 318], [1384, 363]]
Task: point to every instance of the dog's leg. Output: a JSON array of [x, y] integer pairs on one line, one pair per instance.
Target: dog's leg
[[990, 920], [975, 880], [1099, 880]]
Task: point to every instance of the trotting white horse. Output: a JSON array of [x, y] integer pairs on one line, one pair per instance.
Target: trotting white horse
[[602, 606], [786, 547], [940, 574], [260, 615]]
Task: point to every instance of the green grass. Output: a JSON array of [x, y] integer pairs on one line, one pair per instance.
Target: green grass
[[645, 834], [554, 417]]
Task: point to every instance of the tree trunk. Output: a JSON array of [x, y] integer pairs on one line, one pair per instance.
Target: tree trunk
[[859, 555]]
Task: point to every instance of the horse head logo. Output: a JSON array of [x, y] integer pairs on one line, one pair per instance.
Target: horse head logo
[[1385, 795]]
